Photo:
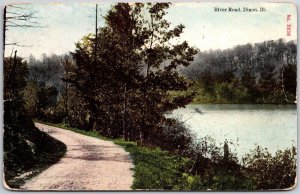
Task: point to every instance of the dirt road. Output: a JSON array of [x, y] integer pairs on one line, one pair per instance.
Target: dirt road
[[89, 164]]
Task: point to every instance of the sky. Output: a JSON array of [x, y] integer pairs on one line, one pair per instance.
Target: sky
[[65, 24]]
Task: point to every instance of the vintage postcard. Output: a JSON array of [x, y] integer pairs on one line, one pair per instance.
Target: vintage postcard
[[150, 96]]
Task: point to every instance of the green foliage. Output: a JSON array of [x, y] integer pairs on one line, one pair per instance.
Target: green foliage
[[290, 75], [31, 98], [47, 71], [45, 92], [260, 73], [174, 137], [159, 170], [26, 149], [47, 96], [117, 75], [15, 73], [41, 102], [155, 169], [272, 172]]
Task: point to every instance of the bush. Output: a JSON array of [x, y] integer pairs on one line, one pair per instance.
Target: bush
[[271, 172], [173, 136]]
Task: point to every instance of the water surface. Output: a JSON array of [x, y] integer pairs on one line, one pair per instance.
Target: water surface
[[246, 126]]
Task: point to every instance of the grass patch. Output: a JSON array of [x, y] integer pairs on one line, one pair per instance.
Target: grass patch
[[156, 169], [67, 127]]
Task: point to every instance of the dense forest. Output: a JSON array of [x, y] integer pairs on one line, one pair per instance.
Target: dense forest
[[122, 80], [261, 73]]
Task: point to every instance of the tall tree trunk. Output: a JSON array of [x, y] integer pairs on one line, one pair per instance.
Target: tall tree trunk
[[92, 117], [141, 137], [124, 112], [13, 91], [91, 122], [66, 95], [108, 132], [282, 84], [194, 168], [4, 30], [96, 33]]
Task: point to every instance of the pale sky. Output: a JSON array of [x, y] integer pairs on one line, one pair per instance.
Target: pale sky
[[65, 24]]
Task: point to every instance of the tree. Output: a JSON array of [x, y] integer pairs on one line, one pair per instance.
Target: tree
[[289, 82], [125, 84], [31, 98], [47, 97], [158, 50], [151, 38], [17, 17], [15, 73]]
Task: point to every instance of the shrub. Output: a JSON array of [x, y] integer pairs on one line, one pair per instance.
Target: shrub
[[173, 136], [271, 172]]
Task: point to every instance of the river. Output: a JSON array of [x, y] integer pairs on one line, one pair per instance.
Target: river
[[270, 126]]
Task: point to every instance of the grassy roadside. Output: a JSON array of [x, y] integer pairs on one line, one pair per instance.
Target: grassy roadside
[[154, 169]]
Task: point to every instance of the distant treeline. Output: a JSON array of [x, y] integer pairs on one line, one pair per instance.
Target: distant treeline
[[260, 73], [47, 71], [45, 87]]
